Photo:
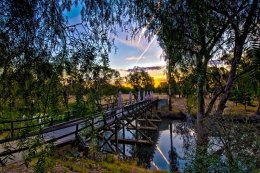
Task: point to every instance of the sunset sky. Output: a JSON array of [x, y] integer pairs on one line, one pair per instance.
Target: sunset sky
[[130, 53]]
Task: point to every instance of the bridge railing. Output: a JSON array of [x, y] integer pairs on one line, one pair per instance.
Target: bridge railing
[[15, 128], [108, 106], [102, 120]]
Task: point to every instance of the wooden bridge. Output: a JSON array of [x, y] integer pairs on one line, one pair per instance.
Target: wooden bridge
[[134, 117]]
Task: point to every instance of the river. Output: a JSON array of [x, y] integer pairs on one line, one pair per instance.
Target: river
[[231, 146]]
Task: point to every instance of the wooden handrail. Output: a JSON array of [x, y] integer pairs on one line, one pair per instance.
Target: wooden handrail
[[107, 116]]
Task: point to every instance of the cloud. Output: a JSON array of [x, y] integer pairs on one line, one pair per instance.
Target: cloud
[[158, 53], [139, 42], [132, 43]]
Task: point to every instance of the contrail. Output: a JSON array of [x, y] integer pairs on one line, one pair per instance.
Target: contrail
[[141, 34], [148, 24], [156, 167], [143, 31], [160, 151], [147, 48]]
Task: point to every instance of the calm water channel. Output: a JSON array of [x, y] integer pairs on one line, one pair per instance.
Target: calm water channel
[[175, 141], [175, 145]]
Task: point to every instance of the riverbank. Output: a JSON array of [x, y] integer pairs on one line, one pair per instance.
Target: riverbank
[[68, 160], [232, 110]]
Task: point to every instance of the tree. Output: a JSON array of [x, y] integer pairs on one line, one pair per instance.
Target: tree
[[44, 60], [139, 79], [253, 70], [243, 17]]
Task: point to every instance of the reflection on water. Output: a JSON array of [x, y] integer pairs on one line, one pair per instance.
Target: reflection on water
[[231, 147], [176, 139]]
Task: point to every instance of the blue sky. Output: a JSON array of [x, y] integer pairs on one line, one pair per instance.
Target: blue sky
[[130, 53]]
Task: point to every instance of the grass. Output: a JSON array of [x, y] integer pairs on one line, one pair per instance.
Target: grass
[[110, 165], [64, 161], [4, 134], [232, 109]]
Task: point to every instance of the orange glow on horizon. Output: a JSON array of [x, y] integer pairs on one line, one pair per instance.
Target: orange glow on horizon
[[159, 77]]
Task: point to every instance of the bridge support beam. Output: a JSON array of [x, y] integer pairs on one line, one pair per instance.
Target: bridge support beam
[[131, 124], [116, 138]]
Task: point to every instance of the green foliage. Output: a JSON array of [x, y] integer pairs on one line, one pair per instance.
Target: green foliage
[[48, 66], [139, 79], [229, 147], [191, 104], [242, 93], [246, 87], [162, 88], [38, 154]]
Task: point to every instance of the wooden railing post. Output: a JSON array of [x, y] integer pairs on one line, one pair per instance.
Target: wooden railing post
[[123, 137], [136, 131], [51, 123], [116, 137], [12, 129], [104, 119], [92, 124], [157, 104], [76, 132], [68, 116]]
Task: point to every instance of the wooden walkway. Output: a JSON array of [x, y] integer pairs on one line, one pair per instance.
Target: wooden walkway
[[133, 141], [67, 132]]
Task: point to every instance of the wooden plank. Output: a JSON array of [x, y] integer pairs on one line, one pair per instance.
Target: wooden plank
[[144, 128], [133, 141], [152, 120]]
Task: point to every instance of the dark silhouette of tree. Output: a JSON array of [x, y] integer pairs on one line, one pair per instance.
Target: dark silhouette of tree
[[139, 79]]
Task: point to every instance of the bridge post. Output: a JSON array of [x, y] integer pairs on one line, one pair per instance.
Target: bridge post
[[12, 129], [76, 132], [92, 124], [51, 123], [157, 104], [136, 132], [123, 137], [116, 137], [68, 116]]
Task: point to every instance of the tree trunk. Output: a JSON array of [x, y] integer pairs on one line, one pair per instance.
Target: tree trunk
[[240, 38], [200, 91], [225, 95], [200, 165], [200, 162], [200, 99], [202, 135], [212, 102], [169, 94], [258, 109], [170, 66]]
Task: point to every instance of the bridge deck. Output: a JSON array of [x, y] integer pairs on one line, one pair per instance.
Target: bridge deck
[[133, 141], [67, 131]]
